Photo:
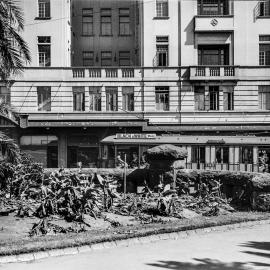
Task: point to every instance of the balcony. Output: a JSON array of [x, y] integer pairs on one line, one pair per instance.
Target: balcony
[[98, 73], [214, 23], [214, 73]]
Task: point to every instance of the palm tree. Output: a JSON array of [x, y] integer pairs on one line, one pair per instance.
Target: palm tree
[[9, 150], [14, 52]]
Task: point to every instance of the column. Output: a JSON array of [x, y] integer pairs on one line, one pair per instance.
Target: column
[[231, 158], [236, 157], [103, 98], [255, 159], [62, 151]]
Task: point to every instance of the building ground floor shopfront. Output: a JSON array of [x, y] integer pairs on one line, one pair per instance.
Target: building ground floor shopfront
[[103, 146]]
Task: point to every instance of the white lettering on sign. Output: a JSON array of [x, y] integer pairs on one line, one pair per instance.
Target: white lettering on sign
[[135, 136]]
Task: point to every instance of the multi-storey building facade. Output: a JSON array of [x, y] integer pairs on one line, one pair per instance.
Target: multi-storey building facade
[[117, 76]]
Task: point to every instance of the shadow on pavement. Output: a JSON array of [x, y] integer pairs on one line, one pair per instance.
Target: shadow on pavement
[[262, 246], [257, 245], [205, 264]]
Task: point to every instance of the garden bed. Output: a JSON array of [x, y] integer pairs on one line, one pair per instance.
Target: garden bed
[[18, 242]]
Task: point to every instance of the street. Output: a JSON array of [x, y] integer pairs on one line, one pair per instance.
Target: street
[[241, 249]]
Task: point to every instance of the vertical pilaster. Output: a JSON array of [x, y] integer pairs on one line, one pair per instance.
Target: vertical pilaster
[[62, 150], [103, 98]]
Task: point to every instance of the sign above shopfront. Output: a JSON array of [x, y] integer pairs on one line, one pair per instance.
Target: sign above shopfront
[[136, 136]]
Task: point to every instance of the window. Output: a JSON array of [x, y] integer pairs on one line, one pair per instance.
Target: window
[[106, 58], [214, 98], [87, 21], [124, 58], [44, 98], [199, 98], [228, 99], [128, 98], [162, 98], [44, 51], [88, 58], [213, 55], [162, 44], [5, 94], [111, 99], [124, 22], [264, 50], [78, 99], [162, 8], [106, 21], [44, 9], [95, 98], [246, 154], [264, 97], [264, 8], [213, 7], [222, 154]]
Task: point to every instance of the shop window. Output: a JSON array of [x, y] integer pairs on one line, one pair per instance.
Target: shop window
[[162, 98], [124, 22], [124, 58], [78, 98], [44, 98], [106, 58], [199, 98], [44, 9], [111, 99], [162, 9], [43, 149], [214, 98], [198, 154], [264, 97], [222, 155], [162, 51], [128, 98], [87, 21], [82, 151], [106, 21], [95, 98], [246, 154], [44, 51], [228, 99]]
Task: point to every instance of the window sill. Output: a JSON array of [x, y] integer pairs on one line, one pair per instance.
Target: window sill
[[161, 18], [43, 18], [105, 35], [213, 15], [124, 35], [263, 17], [84, 35]]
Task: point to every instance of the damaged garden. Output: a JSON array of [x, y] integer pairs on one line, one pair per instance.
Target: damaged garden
[[44, 209]]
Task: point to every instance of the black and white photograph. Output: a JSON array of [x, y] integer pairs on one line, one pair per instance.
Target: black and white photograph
[[135, 134]]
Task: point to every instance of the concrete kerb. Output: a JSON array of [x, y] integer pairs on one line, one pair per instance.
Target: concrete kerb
[[126, 242]]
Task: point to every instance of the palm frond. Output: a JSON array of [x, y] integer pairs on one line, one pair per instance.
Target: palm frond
[[14, 52], [9, 149]]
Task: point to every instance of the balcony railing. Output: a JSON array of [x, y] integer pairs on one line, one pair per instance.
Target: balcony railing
[[103, 72], [228, 72], [94, 72]]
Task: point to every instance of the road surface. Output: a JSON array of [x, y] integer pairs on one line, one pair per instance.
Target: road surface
[[241, 249]]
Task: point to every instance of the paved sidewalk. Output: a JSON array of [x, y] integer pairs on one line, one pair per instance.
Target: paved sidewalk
[[239, 249]]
